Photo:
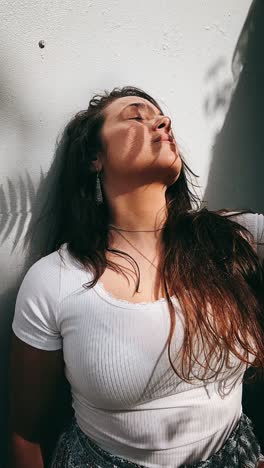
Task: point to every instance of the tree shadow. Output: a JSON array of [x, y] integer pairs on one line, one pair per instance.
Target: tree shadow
[[235, 178]]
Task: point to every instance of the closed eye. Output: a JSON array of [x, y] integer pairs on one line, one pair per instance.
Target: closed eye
[[136, 118]]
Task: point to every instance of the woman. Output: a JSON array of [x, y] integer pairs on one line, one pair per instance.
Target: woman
[[154, 308]]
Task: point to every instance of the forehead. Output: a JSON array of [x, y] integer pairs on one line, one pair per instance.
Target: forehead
[[119, 104]]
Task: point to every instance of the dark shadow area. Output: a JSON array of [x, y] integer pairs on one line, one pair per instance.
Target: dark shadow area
[[7, 301], [237, 165], [235, 178]]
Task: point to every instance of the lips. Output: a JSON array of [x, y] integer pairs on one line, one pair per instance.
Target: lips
[[164, 138]]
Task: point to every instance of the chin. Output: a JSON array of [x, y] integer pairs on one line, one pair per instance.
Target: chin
[[175, 174]]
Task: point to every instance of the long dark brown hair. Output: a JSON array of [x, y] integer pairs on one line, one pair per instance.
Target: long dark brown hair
[[209, 261]]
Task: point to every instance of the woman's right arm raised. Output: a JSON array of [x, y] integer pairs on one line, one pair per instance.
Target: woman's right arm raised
[[35, 378]]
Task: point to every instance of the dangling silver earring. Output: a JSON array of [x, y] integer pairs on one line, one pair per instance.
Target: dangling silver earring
[[99, 195]]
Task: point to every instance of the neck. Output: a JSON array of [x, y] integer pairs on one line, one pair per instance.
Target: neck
[[139, 211]]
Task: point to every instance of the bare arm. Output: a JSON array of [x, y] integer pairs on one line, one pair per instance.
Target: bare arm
[[36, 378]]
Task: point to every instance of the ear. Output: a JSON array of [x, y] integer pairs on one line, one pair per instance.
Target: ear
[[96, 164]]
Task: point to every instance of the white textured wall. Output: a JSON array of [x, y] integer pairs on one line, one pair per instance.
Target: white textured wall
[[178, 51]]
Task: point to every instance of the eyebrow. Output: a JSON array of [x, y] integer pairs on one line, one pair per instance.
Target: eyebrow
[[139, 104]]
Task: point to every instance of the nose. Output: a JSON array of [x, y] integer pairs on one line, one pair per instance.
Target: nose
[[163, 121]]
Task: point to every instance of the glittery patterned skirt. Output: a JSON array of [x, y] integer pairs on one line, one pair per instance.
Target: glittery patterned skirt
[[75, 449]]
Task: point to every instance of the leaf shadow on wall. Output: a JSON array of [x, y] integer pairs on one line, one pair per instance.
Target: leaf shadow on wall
[[17, 198], [236, 173]]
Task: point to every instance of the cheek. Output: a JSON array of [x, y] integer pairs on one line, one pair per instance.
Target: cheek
[[123, 141]]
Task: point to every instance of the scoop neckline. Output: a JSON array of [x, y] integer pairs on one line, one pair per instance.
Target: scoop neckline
[[108, 297], [100, 290]]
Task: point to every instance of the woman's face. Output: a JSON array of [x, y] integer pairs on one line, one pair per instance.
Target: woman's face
[[131, 156]]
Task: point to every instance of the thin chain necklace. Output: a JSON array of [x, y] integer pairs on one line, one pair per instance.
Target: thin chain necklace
[[126, 230], [122, 235]]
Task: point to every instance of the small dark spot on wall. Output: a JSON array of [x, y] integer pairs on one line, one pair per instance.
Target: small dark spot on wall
[[41, 44]]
